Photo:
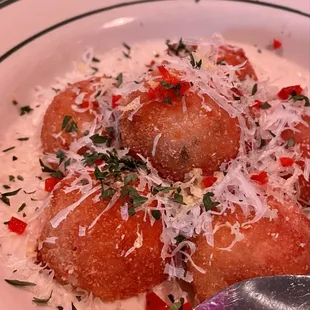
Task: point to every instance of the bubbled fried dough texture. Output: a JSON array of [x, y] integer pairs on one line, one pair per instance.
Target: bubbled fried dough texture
[[96, 262], [189, 139], [57, 110], [269, 247]]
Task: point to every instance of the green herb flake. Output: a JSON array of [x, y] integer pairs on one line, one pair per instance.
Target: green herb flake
[[195, 64], [95, 59], [14, 102], [21, 208], [179, 239], [177, 305], [72, 126], [107, 193], [14, 158], [156, 214], [177, 48], [130, 178], [19, 283], [60, 308], [119, 80], [19, 177], [45, 168], [265, 106], [73, 306], [23, 139], [126, 46], [208, 202], [8, 149], [6, 223], [131, 211], [167, 100], [300, 98], [159, 188], [98, 139], [272, 134], [25, 110], [65, 121], [254, 89], [61, 156], [290, 143], [6, 186], [40, 301], [57, 174], [177, 197], [11, 178]]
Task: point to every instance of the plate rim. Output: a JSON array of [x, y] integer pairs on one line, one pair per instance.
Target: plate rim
[[37, 35]]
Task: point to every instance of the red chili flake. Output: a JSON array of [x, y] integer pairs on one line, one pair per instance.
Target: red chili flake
[[115, 98], [17, 226], [276, 44], [286, 161], [288, 91], [85, 104], [82, 150], [153, 302], [99, 162], [237, 91], [153, 204], [170, 88], [50, 183], [151, 64], [261, 178], [187, 306], [208, 181], [257, 104]]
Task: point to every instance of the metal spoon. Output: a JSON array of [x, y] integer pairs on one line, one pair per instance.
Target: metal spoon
[[264, 293]]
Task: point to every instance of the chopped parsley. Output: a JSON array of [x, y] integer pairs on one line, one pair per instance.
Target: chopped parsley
[[61, 156], [176, 49], [177, 305], [179, 239], [265, 106], [221, 62], [195, 64], [11, 178], [14, 102], [160, 188], [290, 143], [65, 121], [130, 179], [54, 173], [14, 158], [60, 308], [4, 196], [23, 139], [208, 202], [95, 59], [6, 186], [69, 126], [167, 85], [98, 139], [21, 208], [128, 50], [73, 306], [25, 110], [8, 149], [40, 301], [19, 177], [156, 214], [167, 100], [135, 198], [300, 98], [19, 283], [119, 80], [177, 197], [254, 89]]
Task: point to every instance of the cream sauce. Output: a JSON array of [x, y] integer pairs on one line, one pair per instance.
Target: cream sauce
[[268, 65]]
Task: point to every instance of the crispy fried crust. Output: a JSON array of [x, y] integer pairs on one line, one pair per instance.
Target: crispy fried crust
[[189, 139], [96, 262], [270, 247]]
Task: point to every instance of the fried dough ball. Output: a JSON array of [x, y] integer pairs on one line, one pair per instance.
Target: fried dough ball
[[178, 139], [60, 107], [302, 137], [235, 56], [270, 247], [100, 262]]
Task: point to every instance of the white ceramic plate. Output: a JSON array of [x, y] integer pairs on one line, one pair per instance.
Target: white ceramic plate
[[48, 36]]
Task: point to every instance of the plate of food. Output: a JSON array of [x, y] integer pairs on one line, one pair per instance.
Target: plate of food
[[153, 153]]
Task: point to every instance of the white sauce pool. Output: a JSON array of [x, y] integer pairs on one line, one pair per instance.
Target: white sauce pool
[[267, 64]]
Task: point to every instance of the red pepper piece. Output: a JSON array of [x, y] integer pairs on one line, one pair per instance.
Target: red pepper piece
[[261, 178], [286, 92], [153, 302], [276, 44], [286, 161], [115, 98], [208, 181], [50, 183], [17, 226], [99, 162], [257, 104], [85, 104], [187, 306]]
